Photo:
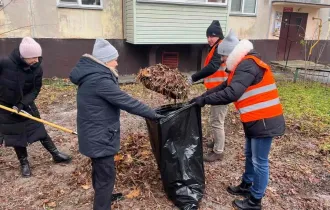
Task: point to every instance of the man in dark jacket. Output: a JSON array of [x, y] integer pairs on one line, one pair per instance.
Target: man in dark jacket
[[20, 84], [99, 101], [214, 74], [214, 35], [252, 88]]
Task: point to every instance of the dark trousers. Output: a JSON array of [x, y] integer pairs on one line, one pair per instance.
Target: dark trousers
[[103, 178]]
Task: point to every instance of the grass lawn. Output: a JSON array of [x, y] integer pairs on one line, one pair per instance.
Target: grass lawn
[[308, 105]]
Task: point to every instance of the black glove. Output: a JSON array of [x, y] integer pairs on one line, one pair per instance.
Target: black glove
[[159, 116], [200, 101], [18, 107], [192, 100]]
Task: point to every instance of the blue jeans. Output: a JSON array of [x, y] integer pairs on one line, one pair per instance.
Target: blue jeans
[[256, 164]]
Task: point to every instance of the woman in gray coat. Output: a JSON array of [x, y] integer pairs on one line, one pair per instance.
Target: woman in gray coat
[[99, 101]]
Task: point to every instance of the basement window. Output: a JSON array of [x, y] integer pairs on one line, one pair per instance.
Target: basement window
[[81, 4], [170, 59]]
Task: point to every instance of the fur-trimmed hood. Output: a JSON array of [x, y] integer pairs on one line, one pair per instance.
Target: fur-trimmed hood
[[239, 52]]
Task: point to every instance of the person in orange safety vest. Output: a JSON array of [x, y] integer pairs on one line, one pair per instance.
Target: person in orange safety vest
[[252, 88], [213, 75]]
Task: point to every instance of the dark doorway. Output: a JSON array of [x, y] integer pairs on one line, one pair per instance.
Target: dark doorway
[[293, 29]]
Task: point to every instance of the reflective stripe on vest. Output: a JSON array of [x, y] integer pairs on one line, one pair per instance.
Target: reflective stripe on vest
[[219, 76], [257, 91], [259, 101], [215, 79], [261, 105]]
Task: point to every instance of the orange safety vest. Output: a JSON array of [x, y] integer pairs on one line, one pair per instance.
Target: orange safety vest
[[259, 101], [219, 76]]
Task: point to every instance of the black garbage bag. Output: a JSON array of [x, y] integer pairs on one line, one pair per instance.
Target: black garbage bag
[[176, 141]]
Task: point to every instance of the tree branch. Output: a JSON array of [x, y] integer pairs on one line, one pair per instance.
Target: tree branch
[[6, 5]]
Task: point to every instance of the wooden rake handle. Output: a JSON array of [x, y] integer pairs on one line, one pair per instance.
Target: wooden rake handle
[[38, 120]]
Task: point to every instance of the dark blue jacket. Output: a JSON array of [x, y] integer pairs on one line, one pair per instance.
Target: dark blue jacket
[[99, 101]]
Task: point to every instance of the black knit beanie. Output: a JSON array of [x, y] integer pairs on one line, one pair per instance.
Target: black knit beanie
[[215, 29]]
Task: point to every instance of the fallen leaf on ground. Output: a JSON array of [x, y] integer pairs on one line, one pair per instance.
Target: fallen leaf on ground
[[129, 158], [145, 153], [133, 194], [86, 186], [51, 204], [118, 157]]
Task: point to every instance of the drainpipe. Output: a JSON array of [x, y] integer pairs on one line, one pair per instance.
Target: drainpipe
[[228, 11], [33, 33], [269, 19], [123, 12]]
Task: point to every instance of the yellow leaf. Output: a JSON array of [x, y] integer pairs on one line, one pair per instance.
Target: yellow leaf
[[86, 186], [133, 194], [51, 204], [145, 153], [119, 157], [129, 158]]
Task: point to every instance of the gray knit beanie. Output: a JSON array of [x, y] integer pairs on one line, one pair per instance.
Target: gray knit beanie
[[228, 44], [104, 51]]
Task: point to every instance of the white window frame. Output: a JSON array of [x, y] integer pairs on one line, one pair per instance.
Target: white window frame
[[186, 2], [241, 13], [79, 5]]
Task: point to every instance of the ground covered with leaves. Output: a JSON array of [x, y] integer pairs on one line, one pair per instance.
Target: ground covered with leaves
[[299, 160]]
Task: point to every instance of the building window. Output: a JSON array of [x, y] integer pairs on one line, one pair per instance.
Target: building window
[[245, 7], [217, 1], [83, 4], [192, 2], [170, 59]]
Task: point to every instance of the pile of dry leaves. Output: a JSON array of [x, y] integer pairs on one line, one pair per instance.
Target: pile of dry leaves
[[164, 80], [136, 169]]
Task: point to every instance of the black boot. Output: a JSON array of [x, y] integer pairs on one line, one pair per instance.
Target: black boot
[[250, 203], [21, 153], [58, 157], [243, 189]]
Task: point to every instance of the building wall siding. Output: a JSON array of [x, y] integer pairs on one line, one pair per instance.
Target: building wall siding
[[129, 24], [173, 24]]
